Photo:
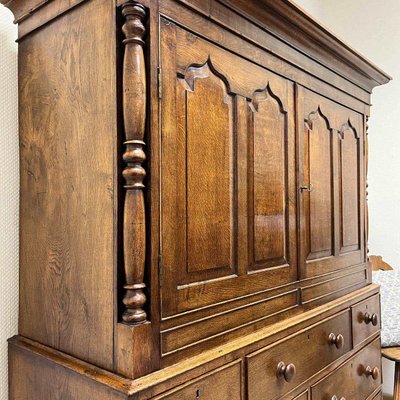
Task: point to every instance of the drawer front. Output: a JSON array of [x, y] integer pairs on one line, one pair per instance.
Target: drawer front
[[221, 384], [365, 319], [297, 358], [357, 379]]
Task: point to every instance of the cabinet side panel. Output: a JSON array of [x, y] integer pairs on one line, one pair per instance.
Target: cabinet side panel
[[34, 376], [67, 141]]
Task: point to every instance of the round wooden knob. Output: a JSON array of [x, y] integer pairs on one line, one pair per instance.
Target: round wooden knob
[[373, 319], [337, 340], [286, 371], [374, 372]]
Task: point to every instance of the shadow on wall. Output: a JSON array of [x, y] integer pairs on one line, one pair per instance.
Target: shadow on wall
[[9, 188]]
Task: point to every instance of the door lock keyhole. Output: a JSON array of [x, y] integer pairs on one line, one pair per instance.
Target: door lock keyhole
[[198, 393]]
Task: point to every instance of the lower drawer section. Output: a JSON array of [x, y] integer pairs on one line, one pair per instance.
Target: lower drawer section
[[309, 358], [357, 379], [221, 384], [365, 319], [300, 357]]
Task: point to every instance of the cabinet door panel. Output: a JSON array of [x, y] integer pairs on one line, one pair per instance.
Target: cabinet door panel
[[228, 194], [318, 146], [349, 176], [268, 174], [208, 111], [331, 186]]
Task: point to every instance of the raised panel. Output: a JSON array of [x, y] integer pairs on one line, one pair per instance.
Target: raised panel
[[209, 171], [268, 223], [319, 197], [199, 198], [349, 175], [223, 121]]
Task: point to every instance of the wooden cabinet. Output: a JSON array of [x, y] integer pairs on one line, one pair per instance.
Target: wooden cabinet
[[193, 203]]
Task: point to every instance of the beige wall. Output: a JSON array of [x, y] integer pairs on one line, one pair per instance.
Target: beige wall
[[8, 190], [373, 28]]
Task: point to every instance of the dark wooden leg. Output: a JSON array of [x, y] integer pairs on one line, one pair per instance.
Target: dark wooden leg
[[396, 391]]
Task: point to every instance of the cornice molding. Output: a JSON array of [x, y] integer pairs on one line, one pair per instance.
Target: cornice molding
[[291, 24], [282, 18]]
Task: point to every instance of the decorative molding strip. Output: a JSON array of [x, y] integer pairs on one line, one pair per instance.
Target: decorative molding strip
[[134, 111], [232, 323]]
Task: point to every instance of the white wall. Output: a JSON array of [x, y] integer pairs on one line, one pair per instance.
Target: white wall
[[373, 28], [8, 190]]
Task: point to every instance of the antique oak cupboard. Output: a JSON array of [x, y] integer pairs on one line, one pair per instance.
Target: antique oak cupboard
[[193, 204]]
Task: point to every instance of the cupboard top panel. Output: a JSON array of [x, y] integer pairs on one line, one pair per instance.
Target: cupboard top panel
[[320, 44]]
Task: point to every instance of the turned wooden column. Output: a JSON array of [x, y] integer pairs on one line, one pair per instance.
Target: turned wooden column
[[134, 111]]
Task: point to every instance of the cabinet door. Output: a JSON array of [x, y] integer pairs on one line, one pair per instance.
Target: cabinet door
[[332, 185], [228, 197]]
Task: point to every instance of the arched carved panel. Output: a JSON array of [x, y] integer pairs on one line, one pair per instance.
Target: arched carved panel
[[209, 170], [318, 186], [268, 195], [349, 176], [207, 164]]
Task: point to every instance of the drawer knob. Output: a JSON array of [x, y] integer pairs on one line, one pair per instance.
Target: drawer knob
[[286, 371], [337, 340], [373, 319], [374, 372], [334, 397]]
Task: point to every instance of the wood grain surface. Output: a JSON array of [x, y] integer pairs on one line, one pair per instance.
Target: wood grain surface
[[194, 221], [67, 149]]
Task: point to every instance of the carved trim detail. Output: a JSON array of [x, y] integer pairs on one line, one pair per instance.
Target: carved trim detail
[[134, 112], [348, 126], [201, 71], [314, 115], [260, 95]]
